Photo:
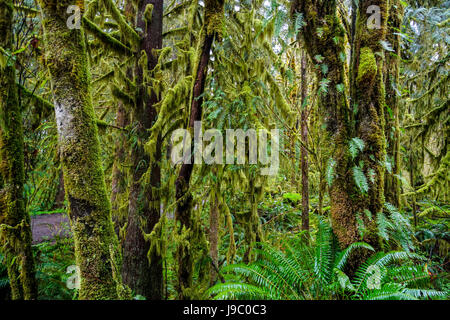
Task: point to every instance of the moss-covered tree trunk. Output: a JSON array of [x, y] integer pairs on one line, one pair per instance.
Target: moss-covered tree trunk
[[328, 46], [325, 39], [182, 193], [144, 276], [96, 245], [15, 230], [214, 237], [369, 100], [212, 24], [392, 128], [303, 151]]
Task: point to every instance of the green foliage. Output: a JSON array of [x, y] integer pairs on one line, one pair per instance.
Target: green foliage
[[356, 145], [52, 261], [394, 226], [293, 197]]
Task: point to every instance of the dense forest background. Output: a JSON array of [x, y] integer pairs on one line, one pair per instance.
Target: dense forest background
[[93, 207]]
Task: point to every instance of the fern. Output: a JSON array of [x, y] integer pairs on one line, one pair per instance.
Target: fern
[[360, 179], [356, 145], [395, 227], [329, 175]]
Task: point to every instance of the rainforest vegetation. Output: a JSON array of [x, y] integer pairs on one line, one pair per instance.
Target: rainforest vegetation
[[349, 200]]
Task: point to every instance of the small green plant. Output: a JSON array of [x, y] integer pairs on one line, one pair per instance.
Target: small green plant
[[52, 261]]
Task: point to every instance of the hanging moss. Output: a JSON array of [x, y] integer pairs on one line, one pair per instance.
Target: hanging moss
[[128, 32], [173, 98], [148, 13], [231, 253], [214, 10]]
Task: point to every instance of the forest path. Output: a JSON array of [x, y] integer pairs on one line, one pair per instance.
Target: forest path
[[46, 227]]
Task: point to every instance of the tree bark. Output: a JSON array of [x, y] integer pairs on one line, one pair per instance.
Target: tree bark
[[15, 230], [142, 270], [369, 96], [214, 238], [96, 245], [368, 100]]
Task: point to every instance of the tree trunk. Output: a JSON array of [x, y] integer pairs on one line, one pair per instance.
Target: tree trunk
[[142, 270], [347, 201], [213, 13], [214, 238], [96, 245], [392, 129], [370, 122], [15, 230], [330, 45], [304, 152], [183, 196]]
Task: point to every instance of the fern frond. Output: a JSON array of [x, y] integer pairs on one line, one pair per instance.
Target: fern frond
[[343, 256]]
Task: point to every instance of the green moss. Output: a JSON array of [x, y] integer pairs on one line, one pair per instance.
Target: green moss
[[15, 230], [128, 32], [148, 13], [106, 39], [367, 69], [214, 10]]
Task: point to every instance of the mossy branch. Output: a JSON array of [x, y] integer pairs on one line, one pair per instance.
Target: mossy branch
[[174, 32], [47, 106], [112, 43], [122, 96]]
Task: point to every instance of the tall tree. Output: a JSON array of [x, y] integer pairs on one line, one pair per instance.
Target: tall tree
[[96, 245], [15, 230], [213, 16], [357, 129], [392, 84], [142, 274]]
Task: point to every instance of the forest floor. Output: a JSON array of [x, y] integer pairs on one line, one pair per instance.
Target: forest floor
[[46, 227]]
